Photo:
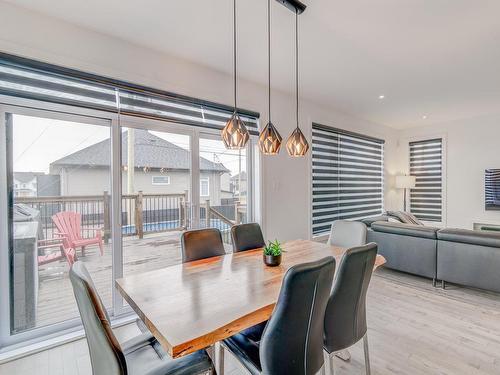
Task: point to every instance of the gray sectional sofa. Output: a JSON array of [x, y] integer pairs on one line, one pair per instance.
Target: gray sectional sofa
[[465, 257]]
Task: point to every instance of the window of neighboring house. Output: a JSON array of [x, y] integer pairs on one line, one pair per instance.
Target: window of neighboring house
[[426, 164], [160, 180], [24, 186], [204, 187], [347, 177]]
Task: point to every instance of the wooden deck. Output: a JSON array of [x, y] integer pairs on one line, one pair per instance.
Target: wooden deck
[[55, 295]]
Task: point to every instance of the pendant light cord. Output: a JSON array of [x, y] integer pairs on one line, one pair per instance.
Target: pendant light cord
[[297, 62], [269, 55], [234, 50]]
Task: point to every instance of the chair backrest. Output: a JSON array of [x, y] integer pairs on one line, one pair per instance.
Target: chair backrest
[[201, 243], [345, 318], [247, 237], [292, 342], [69, 223], [348, 234], [106, 355]]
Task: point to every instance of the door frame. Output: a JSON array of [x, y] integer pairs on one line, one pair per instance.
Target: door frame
[[34, 108]]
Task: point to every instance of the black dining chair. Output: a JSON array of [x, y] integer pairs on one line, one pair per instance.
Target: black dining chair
[[292, 342], [201, 243], [142, 355], [345, 317], [247, 237]]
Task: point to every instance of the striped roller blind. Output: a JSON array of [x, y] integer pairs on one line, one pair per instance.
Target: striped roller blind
[[34, 80], [426, 164], [347, 176], [492, 189]]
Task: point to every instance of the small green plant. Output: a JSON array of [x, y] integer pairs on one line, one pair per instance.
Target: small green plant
[[273, 248]]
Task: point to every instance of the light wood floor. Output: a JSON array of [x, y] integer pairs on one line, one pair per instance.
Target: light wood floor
[[413, 329]]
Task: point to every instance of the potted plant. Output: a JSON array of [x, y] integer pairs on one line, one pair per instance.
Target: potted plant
[[272, 254]]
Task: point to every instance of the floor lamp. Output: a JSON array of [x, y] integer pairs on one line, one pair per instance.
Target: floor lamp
[[405, 182]]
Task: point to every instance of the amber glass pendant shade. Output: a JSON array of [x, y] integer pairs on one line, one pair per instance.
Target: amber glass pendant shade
[[235, 134], [270, 140], [297, 145]]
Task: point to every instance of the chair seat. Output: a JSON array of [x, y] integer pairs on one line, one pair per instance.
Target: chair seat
[[86, 241], [246, 350], [254, 333], [144, 356]]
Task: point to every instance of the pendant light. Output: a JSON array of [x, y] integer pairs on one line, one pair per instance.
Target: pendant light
[[269, 139], [235, 134], [296, 144]]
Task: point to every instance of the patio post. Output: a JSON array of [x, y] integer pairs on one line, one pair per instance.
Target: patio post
[[138, 215], [207, 213], [106, 218]]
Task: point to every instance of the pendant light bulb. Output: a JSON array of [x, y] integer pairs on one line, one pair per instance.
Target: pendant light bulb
[[269, 139], [297, 144], [235, 134]]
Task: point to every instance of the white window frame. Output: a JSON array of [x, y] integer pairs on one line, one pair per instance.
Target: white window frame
[[160, 183], [444, 172], [202, 179]]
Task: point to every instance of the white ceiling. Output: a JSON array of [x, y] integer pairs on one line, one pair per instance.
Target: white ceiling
[[438, 58]]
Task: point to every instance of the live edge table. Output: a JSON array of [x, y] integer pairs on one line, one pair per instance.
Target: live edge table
[[192, 306]]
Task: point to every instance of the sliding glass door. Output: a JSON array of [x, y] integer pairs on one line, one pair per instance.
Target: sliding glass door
[[56, 208], [156, 190], [113, 192]]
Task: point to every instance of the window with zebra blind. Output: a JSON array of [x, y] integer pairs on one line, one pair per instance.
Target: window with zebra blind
[[426, 164], [347, 176]]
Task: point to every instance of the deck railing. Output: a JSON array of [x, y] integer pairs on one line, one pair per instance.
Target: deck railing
[[141, 213]]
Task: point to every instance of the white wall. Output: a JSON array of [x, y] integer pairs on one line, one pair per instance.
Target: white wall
[[285, 181], [471, 146]]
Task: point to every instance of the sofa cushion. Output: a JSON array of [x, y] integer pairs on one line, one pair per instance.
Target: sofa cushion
[[370, 220], [405, 229], [405, 217], [472, 237]]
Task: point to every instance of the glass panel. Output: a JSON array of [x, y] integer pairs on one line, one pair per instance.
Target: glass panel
[[223, 186], [156, 174], [59, 182]]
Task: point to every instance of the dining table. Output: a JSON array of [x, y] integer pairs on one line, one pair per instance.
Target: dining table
[[193, 305]]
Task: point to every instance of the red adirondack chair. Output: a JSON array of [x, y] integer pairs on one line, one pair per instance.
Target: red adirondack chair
[[69, 225], [65, 251]]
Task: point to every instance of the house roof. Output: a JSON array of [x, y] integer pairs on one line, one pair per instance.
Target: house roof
[[25, 177], [237, 176], [149, 151]]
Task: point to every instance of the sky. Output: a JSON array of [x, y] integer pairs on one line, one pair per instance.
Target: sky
[[37, 142]]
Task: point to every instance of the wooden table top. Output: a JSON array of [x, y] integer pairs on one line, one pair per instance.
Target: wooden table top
[[191, 306]]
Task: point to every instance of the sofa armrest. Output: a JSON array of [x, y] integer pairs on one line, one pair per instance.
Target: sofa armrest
[[411, 230], [472, 237]]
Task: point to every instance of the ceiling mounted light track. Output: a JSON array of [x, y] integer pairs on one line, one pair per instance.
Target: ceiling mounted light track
[[269, 139], [235, 134]]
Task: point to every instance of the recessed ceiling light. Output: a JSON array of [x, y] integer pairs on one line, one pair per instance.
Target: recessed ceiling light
[[424, 117], [381, 97]]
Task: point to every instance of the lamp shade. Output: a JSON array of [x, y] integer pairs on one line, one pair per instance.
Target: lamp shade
[[405, 182], [270, 140], [235, 134]]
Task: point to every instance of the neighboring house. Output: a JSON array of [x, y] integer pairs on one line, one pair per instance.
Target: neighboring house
[[25, 184], [239, 184], [36, 184], [161, 167]]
